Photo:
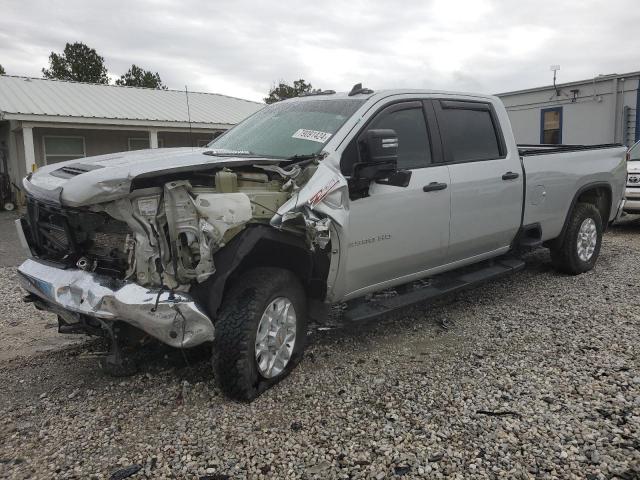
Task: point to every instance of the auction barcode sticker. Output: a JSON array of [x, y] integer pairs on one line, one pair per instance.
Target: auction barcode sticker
[[313, 135]]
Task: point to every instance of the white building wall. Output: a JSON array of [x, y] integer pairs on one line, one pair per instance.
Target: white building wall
[[596, 116]]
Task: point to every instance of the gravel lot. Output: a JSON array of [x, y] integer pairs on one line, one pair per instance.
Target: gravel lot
[[24, 331], [532, 376]]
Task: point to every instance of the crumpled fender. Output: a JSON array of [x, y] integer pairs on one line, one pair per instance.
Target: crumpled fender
[[325, 193]]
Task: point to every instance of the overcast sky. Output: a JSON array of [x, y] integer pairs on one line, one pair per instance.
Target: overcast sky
[[241, 48]]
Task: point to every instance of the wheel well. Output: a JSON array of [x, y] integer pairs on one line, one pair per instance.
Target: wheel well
[[272, 253], [264, 246], [600, 197], [311, 267]]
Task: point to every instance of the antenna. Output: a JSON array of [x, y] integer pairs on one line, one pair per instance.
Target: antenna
[[554, 69], [186, 92]]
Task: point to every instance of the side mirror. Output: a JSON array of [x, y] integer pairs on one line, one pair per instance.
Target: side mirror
[[381, 146], [378, 163], [378, 155]]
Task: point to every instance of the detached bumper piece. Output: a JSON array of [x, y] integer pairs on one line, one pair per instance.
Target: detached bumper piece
[[172, 318]]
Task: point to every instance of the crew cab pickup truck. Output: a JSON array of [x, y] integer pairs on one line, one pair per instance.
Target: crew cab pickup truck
[[312, 201]]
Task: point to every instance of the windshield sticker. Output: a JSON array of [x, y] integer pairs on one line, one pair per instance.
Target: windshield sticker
[[313, 135]]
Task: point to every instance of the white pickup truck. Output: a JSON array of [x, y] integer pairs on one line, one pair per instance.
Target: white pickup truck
[[312, 201], [632, 193]]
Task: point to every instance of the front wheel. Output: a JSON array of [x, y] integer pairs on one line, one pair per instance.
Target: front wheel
[[260, 332], [579, 249]]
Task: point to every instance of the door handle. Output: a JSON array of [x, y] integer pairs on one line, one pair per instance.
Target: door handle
[[510, 176], [434, 186]]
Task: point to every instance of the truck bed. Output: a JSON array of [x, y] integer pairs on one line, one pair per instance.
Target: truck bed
[[556, 174]]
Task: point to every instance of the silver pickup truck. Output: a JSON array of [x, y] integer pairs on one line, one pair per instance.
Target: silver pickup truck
[[312, 201]]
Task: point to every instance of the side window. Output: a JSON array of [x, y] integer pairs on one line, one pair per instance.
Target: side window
[[469, 134], [414, 150]]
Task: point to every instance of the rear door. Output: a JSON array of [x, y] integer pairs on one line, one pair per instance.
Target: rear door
[[398, 231], [486, 180]]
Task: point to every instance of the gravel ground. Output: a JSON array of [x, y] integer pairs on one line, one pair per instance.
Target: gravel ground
[[532, 376], [24, 331], [11, 253]]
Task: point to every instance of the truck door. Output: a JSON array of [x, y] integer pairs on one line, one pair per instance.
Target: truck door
[[486, 180], [399, 231]]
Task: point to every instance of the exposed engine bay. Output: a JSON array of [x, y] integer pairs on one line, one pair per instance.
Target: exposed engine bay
[[166, 231]]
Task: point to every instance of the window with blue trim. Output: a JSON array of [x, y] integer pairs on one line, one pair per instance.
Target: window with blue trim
[[551, 126]]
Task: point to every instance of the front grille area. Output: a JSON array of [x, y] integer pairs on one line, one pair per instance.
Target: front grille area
[[65, 235]]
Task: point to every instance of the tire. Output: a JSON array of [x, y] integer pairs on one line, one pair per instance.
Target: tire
[[236, 367], [567, 256]]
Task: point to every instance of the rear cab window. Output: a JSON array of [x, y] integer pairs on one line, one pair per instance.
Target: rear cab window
[[470, 131]]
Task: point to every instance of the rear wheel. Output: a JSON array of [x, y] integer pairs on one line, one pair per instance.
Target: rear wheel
[[579, 249], [260, 332]]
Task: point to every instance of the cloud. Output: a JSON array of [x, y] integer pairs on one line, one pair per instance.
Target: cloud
[[241, 48]]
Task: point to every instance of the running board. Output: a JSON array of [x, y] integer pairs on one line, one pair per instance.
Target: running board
[[443, 284]]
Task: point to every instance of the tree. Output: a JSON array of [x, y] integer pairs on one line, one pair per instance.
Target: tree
[[78, 63], [283, 91], [2, 70], [139, 77]]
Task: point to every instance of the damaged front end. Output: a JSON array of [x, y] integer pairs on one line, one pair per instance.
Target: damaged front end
[[138, 258]]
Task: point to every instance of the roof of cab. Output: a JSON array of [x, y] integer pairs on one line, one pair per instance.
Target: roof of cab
[[379, 94]]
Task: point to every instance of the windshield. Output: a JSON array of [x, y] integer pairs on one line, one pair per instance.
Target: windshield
[[287, 129], [634, 152]]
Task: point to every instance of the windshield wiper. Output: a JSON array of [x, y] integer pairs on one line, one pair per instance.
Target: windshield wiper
[[230, 153], [307, 156]]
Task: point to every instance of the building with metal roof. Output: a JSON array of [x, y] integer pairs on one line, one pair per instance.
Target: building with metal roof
[[44, 121], [603, 109]]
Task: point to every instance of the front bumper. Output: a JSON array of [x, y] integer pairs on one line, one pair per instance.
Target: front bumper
[[177, 320], [632, 200]]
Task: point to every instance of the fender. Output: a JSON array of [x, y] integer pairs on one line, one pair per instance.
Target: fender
[[230, 258], [581, 190]]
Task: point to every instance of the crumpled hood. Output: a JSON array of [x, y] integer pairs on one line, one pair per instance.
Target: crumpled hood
[[104, 178]]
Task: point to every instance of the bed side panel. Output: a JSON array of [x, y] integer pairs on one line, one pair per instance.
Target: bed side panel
[[554, 179]]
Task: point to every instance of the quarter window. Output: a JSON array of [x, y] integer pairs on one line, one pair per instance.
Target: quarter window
[[414, 150], [469, 134], [59, 149]]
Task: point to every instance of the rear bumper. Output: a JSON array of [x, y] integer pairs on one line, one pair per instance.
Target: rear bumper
[[177, 320]]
